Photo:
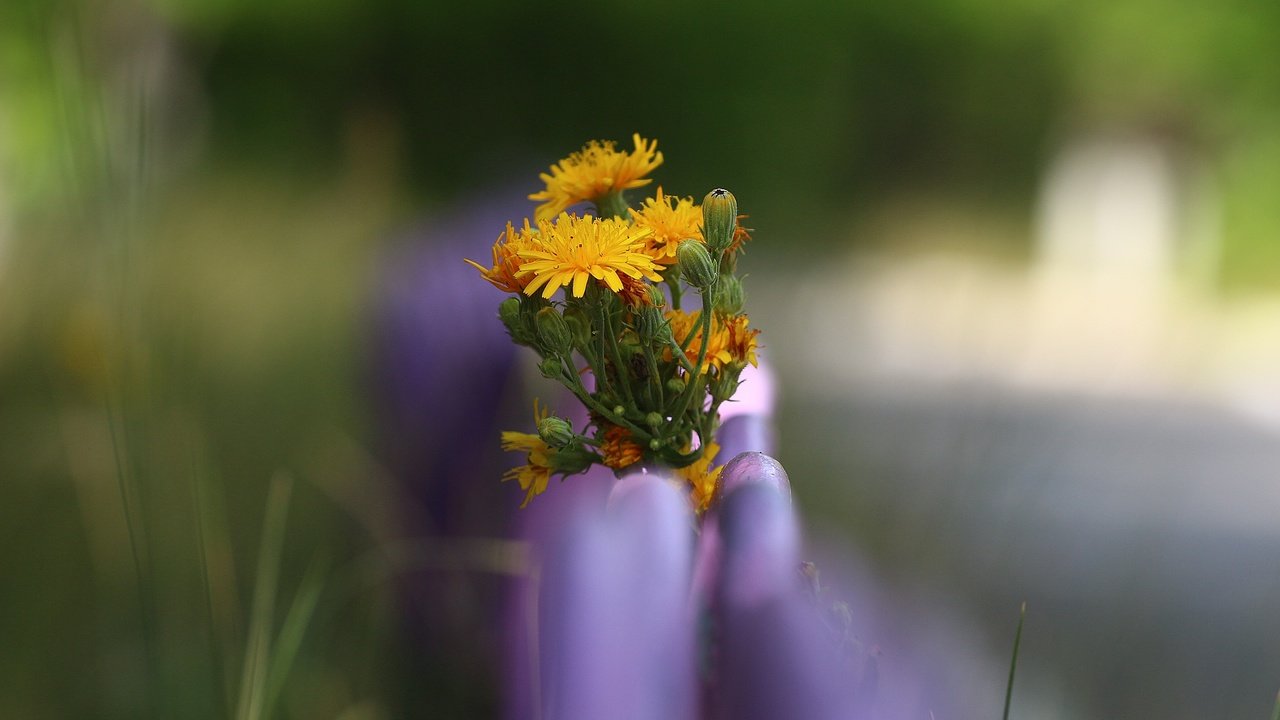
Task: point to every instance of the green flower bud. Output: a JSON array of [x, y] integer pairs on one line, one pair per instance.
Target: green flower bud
[[656, 297], [729, 295], [553, 331], [550, 369], [514, 321], [675, 385], [654, 419], [579, 326], [618, 410], [719, 218], [655, 444], [696, 265], [650, 324], [556, 432], [724, 386]]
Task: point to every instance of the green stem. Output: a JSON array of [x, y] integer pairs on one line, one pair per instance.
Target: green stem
[[696, 375], [655, 382], [676, 292], [612, 205], [611, 344], [580, 391], [1013, 663]]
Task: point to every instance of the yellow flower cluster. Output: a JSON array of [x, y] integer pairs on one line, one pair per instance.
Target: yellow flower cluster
[[657, 385]]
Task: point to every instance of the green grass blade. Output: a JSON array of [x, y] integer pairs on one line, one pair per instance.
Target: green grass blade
[[1013, 663], [257, 651], [295, 628]]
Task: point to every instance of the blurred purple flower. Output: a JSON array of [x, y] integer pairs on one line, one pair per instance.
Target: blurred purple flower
[[444, 368]]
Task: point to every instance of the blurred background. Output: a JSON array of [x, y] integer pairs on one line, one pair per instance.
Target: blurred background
[[1017, 267]]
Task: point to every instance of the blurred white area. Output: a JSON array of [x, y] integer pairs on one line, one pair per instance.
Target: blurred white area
[[1118, 299]]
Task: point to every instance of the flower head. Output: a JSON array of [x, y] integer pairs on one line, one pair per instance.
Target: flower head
[[506, 259], [702, 477], [741, 340], [682, 324], [536, 472], [618, 450], [574, 249], [595, 171], [672, 220]]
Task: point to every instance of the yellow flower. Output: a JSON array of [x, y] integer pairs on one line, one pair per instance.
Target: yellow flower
[[618, 450], [536, 472], [741, 341], [682, 324], [702, 478], [506, 260], [672, 220], [573, 250], [593, 172]]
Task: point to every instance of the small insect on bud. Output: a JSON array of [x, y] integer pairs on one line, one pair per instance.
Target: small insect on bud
[[553, 331], [696, 265], [556, 432], [719, 217], [729, 295]]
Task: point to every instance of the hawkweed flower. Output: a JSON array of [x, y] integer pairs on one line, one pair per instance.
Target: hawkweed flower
[[594, 173], [506, 259], [671, 220], [573, 250]]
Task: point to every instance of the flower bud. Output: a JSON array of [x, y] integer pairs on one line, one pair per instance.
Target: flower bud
[[550, 369], [553, 331], [579, 326], [719, 217], [729, 295], [656, 297], [675, 385], [556, 432], [696, 265], [653, 420], [726, 384], [650, 324], [514, 321]]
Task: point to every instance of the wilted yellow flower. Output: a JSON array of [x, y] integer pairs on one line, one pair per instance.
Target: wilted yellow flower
[[682, 324], [618, 450], [672, 219], [593, 172], [574, 249], [506, 259], [702, 477], [536, 472], [741, 341]]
